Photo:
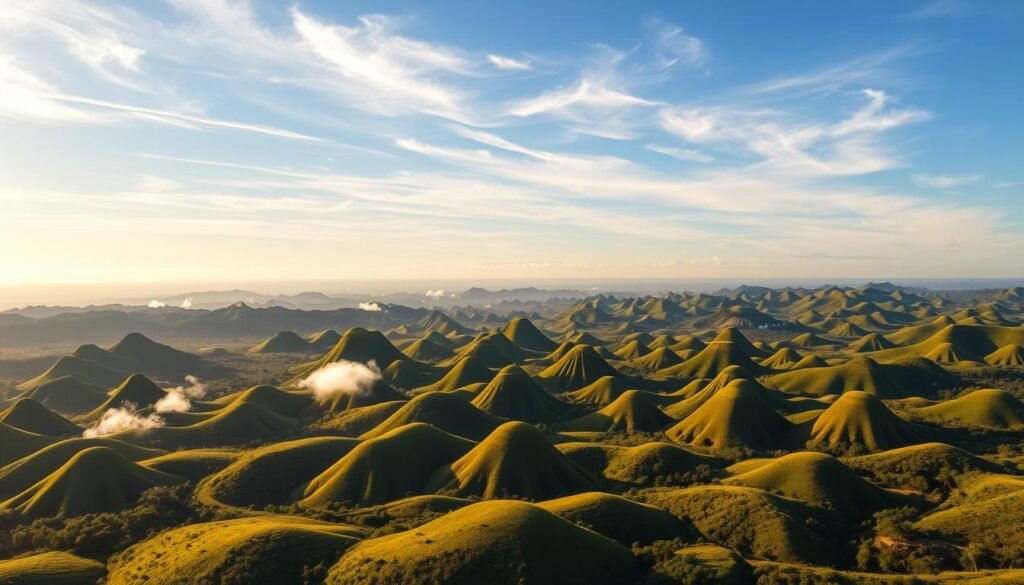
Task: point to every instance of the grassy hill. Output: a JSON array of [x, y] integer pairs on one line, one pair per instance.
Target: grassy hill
[[18, 443], [97, 479], [136, 390], [618, 518], [444, 410], [631, 412], [522, 332], [989, 408], [261, 549], [914, 377], [580, 367], [425, 350], [927, 464], [28, 415], [82, 370], [386, 468], [861, 419], [653, 463], [514, 460], [513, 394], [739, 414], [67, 395], [283, 342], [465, 371], [499, 542], [51, 568], [717, 356]]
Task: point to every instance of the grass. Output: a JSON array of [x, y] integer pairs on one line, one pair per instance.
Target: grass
[[447, 411], [618, 518], [51, 568], [28, 415], [859, 419], [739, 414], [631, 412], [988, 408]]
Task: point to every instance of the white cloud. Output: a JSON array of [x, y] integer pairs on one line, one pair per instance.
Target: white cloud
[[944, 181], [187, 303], [382, 70], [372, 307], [179, 399], [342, 377], [675, 46], [123, 420], [434, 294], [508, 63], [681, 153], [155, 304], [588, 93]]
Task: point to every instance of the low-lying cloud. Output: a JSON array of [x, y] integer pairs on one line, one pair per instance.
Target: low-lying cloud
[[342, 377], [434, 294], [123, 419], [180, 399], [155, 304], [187, 303], [374, 307]]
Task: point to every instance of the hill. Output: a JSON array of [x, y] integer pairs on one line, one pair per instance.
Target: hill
[[756, 522], [275, 473], [500, 542], [654, 463], [717, 356], [811, 340], [916, 465], [522, 332], [916, 377], [97, 479], [1007, 356], [871, 342], [817, 479], [236, 424], [271, 398], [425, 350], [408, 374], [494, 350], [83, 370], [67, 395], [142, 354], [601, 393], [386, 468], [51, 568], [632, 350], [283, 342], [356, 345], [966, 342], [324, 340], [18, 443], [259, 549], [514, 460], [28, 415], [622, 520], [466, 371], [737, 415], [783, 359], [658, 359], [446, 411], [136, 390], [580, 367], [17, 476], [443, 324], [631, 412], [991, 408], [861, 419], [513, 394]]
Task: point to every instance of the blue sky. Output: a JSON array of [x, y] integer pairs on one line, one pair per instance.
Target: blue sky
[[228, 140]]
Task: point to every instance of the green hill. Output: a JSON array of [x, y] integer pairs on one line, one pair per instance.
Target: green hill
[[97, 479], [809, 361], [494, 350], [847, 329], [192, 464], [861, 419], [356, 345], [734, 336], [237, 424], [966, 342], [83, 370], [601, 393], [283, 342], [513, 394], [756, 522], [408, 374], [466, 371], [580, 367], [425, 350], [654, 463], [622, 520], [67, 395], [243, 551], [688, 343], [697, 395], [514, 460], [916, 377], [274, 474], [737, 415], [51, 568], [17, 476], [525, 334], [386, 468], [324, 340], [28, 415], [818, 479], [137, 390], [989, 408], [443, 324], [444, 410], [272, 398], [871, 342], [631, 412], [378, 393], [909, 467], [717, 356], [499, 542], [143, 354], [556, 354], [918, 333], [18, 443], [586, 338]]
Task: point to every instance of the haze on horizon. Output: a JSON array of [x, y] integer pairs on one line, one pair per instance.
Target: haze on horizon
[[233, 140]]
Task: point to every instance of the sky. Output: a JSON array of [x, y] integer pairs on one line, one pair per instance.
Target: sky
[[223, 141]]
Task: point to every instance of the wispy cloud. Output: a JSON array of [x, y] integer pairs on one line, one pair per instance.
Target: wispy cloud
[[508, 63], [686, 154], [944, 181]]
